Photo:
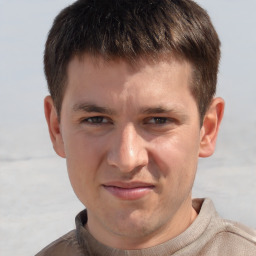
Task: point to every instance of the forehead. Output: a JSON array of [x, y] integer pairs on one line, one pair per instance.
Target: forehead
[[87, 65], [91, 78]]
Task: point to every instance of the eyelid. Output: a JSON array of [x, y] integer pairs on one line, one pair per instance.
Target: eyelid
[[167, 120], [105, 120]]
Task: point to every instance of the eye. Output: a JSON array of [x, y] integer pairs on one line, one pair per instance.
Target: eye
[[96, 120], [159, 120]]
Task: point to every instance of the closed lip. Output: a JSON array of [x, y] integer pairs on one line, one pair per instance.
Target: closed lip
[[128, 185], [128, 190]]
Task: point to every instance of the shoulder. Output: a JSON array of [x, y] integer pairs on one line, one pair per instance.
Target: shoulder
[[236, 236], [228, 237], [218, 236], [66, 245]]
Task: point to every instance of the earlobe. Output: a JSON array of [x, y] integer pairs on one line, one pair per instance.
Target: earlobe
[[54, 126], [210, 127]]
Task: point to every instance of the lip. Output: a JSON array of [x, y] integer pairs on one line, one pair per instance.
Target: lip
[[128, 190]]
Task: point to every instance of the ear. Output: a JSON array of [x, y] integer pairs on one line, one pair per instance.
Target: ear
[[210, 127], [54, 126]]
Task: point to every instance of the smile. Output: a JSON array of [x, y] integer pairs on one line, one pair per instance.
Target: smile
[[128, 191]]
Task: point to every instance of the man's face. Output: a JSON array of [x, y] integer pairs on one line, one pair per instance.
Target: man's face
[[131, 138]]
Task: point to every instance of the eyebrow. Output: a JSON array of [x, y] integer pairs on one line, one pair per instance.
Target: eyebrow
[[90, 108], [163, 110], [156, 110]]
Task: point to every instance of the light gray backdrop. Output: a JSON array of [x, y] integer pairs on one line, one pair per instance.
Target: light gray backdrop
[[37, 204]]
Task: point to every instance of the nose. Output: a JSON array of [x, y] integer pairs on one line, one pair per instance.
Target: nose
[[127, 151]]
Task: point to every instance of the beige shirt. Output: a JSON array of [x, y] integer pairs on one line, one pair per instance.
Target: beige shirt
[[208, 235]]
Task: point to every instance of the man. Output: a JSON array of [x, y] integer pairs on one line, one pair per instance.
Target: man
[[132, 107]]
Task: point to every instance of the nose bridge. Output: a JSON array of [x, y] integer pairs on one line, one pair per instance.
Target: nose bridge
[[128, 149], [128, 143]]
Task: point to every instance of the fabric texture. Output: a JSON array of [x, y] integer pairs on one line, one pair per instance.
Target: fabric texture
[[208, 235]]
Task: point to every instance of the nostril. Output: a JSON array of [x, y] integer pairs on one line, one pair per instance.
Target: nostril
[[128, 162]]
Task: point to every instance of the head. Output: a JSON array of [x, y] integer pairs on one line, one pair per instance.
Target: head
[[131, 30], [131, 110]]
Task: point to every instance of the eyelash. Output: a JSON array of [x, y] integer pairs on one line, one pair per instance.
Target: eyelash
[[98, 120], [159, 120]]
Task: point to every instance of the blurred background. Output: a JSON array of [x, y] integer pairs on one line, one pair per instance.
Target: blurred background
[[37, 204]]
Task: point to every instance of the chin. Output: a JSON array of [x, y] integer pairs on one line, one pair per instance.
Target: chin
[[136, 224]]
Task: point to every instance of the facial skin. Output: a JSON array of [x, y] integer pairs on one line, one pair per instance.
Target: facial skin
[[132, 137]]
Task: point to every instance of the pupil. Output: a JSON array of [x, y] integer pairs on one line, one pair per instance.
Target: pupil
[[160, 120], [97, 119]]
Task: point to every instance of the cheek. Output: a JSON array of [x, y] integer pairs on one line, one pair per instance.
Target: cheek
[[176, 156], [83, 159], [82, 150]]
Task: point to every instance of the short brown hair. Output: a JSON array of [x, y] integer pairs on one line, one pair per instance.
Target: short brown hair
[[131, 29]]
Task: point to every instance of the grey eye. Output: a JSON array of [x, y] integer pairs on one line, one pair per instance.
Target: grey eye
[[96, 119], [158, 120]]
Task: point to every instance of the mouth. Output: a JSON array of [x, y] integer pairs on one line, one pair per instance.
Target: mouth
[[128, 191]]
